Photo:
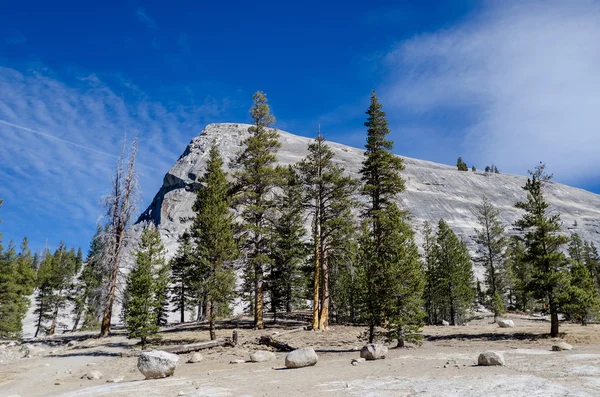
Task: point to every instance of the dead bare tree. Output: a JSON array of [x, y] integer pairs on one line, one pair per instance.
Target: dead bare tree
[[120, 207]]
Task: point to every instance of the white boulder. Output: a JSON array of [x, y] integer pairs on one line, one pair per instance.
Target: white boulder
[[157, 364], [260, 356], [299, 358], [93, 375], [445, 323], [490, 358], [503, 323], [195, 358], [373, 351]]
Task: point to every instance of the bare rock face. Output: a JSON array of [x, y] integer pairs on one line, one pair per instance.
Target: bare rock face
[[433, 191], [490, 358], [373, 351], [157, 364], [300, 358]]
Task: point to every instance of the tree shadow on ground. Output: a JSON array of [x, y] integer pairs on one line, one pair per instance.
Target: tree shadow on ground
[[489, 336]]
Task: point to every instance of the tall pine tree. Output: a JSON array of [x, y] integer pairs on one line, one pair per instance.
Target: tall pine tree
[[492, 244], [327, 194], [215, 245], [184, 290], [543, 243], [380, 174], [255, 180]]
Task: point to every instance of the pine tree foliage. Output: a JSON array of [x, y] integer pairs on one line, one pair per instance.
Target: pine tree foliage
[[579, 301], [461, 165], [215, 246], [285, 279], [184, 290], [433, 299], [492, 242], [255, 180], [543, 243], [450, 280], [145, 288], [519, 275], [328, 198], [389, 301]]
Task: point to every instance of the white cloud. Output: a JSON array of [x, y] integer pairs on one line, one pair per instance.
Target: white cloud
[[524, 76], [144, 17], [58, 143]]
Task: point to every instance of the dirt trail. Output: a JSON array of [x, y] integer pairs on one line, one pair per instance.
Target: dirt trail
[[442, 366]]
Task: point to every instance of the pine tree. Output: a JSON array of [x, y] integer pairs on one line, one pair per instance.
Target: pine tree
[[455, 274], [63, 270], [120, 207], [591, 258], [433, 301], [519, 274], [327, 194], [255, 181], [288, 249], [580, 300], [10, 298], [45, 292], [404, 281], [543, 244], [145, 284], [184, 290], [461, 165], [382, 183], [215, 245], [491, 248]]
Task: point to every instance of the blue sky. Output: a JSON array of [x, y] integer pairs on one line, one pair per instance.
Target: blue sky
[[509, 82]]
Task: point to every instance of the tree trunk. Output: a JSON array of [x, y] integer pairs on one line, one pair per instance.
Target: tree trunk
[[400, 337], [324, 315], [105, 328], [211, 324], [258, 296], [315, 324], [76, 322], [553, 320], [182, 304]]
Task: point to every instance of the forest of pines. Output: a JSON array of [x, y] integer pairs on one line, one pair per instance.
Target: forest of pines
[[306, 237]]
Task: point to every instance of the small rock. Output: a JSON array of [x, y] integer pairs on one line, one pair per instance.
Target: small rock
[[91, 364], [157, 364], [561, 346], [373, 351], [93, 375], [181, 393], [445, 366], [299, 358], [72, 343], [235, 362], [58, 383], [195, 358], [260, 356], [445, 323], [490, 358], [12, 344], [502, 323], [115, 379]]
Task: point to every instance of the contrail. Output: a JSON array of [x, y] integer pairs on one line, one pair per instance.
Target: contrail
[[57, 139]]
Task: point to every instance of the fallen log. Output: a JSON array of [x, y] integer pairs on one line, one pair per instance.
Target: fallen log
[[189, 348], [279, 345], [291, 331]]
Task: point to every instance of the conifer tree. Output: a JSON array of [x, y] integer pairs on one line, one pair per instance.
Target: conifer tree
[[255, 179], [461, 165], [591, 258], [455, 274], [120, 207], [10, 313], [519, 274], [145, 287], [45, 292], [327, 194], [433, 297], [289, 250], [543, 243], [491, 248], [63, 269], [184, 290], [382, 183], [215, 245]]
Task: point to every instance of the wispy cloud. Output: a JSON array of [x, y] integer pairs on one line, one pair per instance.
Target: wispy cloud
[[522, 78], [59, 143], [145, 18]]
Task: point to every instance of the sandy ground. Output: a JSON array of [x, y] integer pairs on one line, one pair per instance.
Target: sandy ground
[[442, 366]]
